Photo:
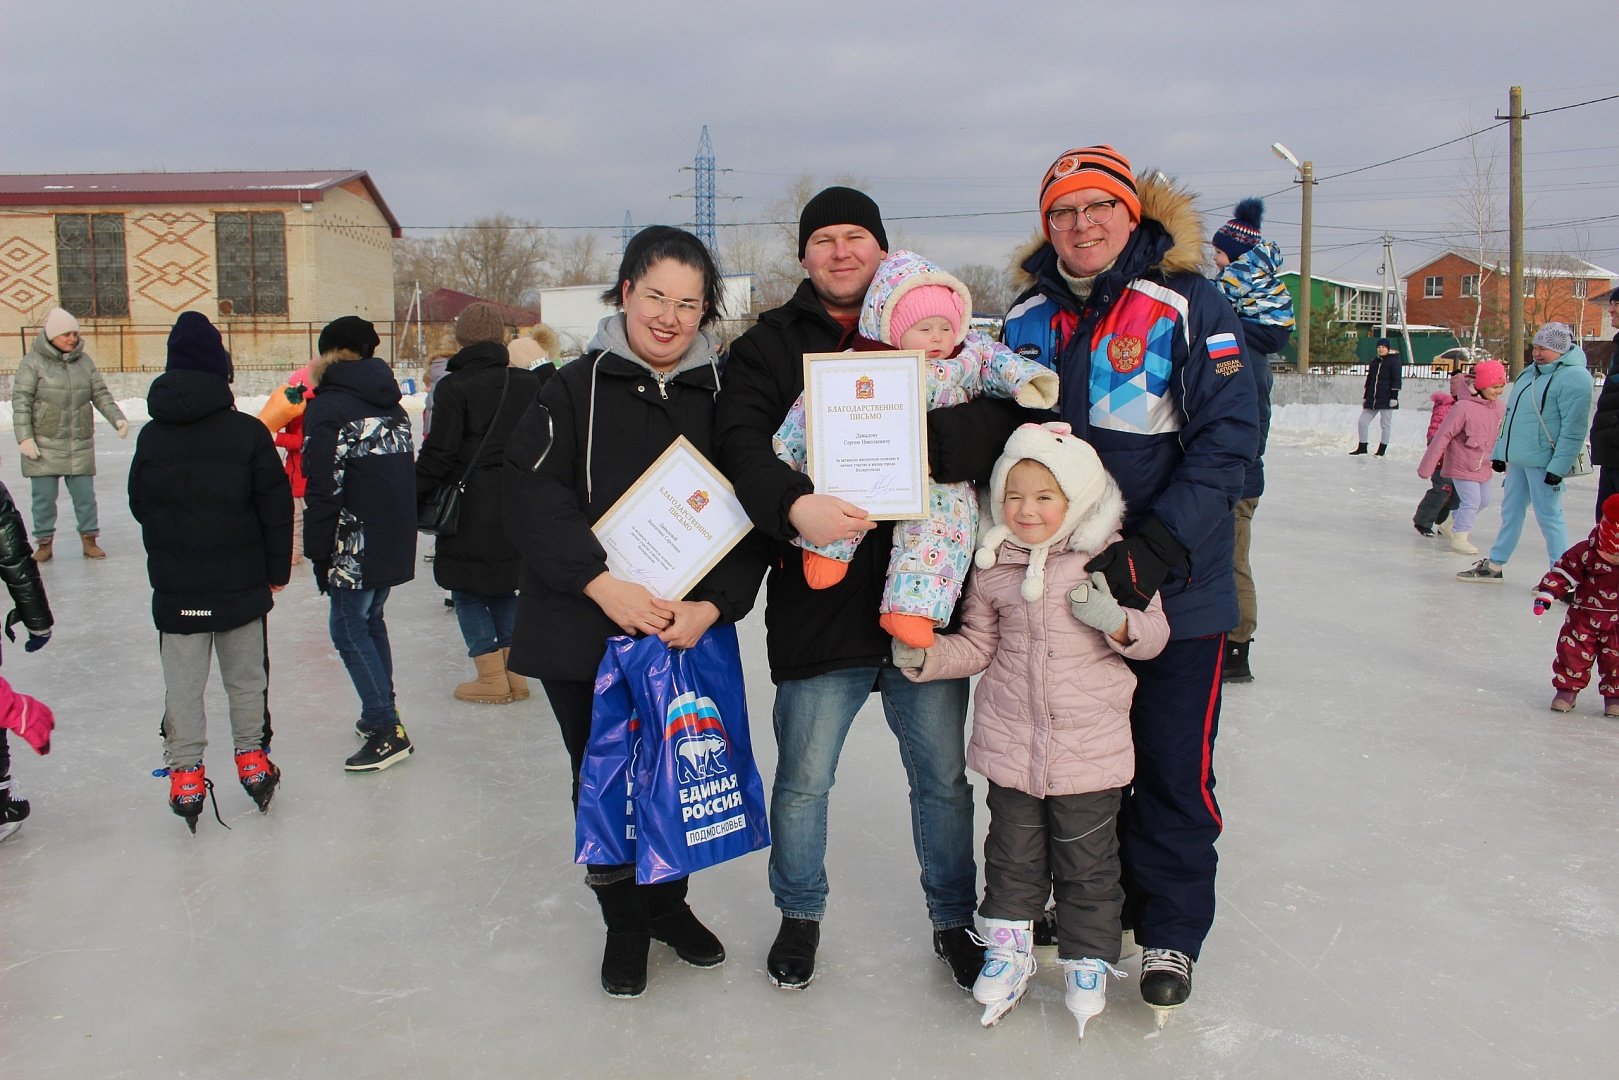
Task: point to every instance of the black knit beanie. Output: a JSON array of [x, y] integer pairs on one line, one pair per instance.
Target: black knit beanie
[[350, 332], [840, 206], [195, 345]]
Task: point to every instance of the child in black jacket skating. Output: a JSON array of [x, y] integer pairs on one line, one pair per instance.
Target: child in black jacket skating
[[27, 716]]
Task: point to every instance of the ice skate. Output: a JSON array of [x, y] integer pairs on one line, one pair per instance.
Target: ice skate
[[1166, 981], [259, 776], [1563, 700], [1008, 967], [187, 789], [1084, 985], [13, 810]]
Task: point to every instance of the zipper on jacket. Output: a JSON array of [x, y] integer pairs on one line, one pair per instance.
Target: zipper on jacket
[[663, 391]]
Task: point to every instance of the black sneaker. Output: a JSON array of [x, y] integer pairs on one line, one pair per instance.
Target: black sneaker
[[381, 750], [791, 963], [965, 956]]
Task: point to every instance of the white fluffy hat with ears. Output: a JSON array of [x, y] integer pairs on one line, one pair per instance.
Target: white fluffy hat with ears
[[1095, 506]]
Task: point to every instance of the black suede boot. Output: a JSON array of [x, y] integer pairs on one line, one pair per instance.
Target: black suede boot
[[1236, 668], [673, 923], [624, 910], [1360, 448], [1381, 448]]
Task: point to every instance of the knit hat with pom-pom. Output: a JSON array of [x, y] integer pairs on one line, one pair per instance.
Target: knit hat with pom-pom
[[1095, 507], [1238, 236]]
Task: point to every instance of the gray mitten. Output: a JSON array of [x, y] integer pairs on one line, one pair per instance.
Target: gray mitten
[[1093, 605], [908, 656]]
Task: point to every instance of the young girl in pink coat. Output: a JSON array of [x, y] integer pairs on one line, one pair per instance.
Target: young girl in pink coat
[[1464, 440], [1051, 717]]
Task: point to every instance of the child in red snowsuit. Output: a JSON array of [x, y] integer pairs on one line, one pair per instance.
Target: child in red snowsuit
[[1588, 577]]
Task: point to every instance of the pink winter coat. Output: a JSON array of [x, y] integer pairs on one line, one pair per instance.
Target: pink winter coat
[[1465, 439], [1051, 716]]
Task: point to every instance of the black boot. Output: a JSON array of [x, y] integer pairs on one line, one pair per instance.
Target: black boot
[[964, 955], [1381, 448], [624, 910], [673, 923], [1236, 662], [1360, 448], [791, 963]]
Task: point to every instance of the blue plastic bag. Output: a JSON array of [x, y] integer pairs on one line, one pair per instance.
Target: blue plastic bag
[[699, 800], [604, 826]]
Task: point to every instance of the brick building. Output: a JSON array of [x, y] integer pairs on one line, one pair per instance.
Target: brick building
[[1445, 291], [269, 256]]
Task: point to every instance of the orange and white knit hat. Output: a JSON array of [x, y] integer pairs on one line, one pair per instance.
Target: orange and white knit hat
[[1089, 167]]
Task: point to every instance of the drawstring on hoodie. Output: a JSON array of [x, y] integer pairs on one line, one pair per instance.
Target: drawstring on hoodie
[[590, 420]]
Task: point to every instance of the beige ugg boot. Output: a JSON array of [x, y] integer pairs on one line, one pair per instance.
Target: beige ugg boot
[[42, 549], [1461, 545], [489, 688], [92, 550], [517, 684]]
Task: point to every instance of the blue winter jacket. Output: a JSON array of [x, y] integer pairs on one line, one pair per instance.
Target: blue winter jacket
[[1153, 377], [1559, 394]]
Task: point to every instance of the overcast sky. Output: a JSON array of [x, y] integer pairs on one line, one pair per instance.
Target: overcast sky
[[574, 113]]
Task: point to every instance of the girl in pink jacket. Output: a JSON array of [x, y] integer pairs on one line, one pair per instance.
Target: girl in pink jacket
[[1051, 717], [1464, 440]]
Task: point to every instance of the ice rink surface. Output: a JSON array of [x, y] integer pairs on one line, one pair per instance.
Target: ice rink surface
[[1418, 874]]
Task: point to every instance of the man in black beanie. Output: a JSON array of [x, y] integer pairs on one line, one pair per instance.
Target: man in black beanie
[[827, 651], [215, 511]]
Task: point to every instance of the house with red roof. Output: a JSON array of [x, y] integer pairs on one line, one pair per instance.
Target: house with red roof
[[269, 256]]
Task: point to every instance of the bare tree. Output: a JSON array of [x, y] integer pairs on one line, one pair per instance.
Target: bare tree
[[580, 261], [499, 258], [420, 261], [992, 292], [1476, 212]]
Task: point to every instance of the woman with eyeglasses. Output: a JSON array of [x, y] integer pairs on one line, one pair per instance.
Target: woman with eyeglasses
[[648, 377]]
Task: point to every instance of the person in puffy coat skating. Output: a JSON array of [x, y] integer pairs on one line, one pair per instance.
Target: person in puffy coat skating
[[1462, 443], [1051, 717], [1587, 578]]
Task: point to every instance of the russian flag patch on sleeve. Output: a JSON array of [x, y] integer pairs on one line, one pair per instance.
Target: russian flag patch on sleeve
[[1221, 346]]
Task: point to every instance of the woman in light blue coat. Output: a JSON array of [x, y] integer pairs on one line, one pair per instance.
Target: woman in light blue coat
[[1548, 414]]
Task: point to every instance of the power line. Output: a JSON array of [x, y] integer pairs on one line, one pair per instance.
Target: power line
[[1576, 105]]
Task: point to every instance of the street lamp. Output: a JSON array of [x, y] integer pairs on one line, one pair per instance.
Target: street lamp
[[1306, 171]]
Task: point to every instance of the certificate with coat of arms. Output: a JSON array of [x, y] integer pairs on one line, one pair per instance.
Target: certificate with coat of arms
[[865, 419], [671, 527]]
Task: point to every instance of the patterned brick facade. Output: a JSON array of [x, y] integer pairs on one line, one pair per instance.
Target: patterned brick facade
[[339, 260]]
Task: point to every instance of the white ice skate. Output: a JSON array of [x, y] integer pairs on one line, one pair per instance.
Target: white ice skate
[[1166, 981], [1084, 984], [1008, 967]]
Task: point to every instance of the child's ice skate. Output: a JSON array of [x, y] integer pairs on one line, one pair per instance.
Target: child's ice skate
[[259, 776], [1008, 967], [12, 809], [1166, 981], [1563, 700], [187, 788], [1085, 987]]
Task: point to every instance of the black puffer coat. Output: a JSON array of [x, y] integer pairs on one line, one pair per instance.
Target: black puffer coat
[[1605, 422], [606, 418], [20, 572], [214, 505], [479, 558], [814, 631], [1382, 390]]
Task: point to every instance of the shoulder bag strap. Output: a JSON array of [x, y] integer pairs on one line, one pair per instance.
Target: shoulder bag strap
[[490, 430]]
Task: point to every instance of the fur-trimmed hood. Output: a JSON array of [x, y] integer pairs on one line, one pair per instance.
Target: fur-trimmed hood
[[1165, 201]]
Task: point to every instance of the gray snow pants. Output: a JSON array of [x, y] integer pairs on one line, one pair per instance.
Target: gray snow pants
[[1066, 846], [244, 668]]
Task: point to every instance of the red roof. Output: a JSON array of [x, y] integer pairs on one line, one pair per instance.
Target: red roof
[[91, 189], [446, 305]]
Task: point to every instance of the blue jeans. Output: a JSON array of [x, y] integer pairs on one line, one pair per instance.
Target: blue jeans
[[811, 719], [486, 621], [361, 638], [1526, 486]]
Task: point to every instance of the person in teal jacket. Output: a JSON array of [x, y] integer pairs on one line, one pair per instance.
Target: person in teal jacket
[[1548, 414]]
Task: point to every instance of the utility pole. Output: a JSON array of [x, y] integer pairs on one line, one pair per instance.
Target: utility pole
[[1307, 178], [1515, 230], [1399, 299]]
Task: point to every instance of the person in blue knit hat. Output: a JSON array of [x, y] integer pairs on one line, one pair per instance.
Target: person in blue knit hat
[[1250, 278]]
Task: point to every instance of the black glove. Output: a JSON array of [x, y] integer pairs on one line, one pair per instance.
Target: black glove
[[1498, 466], [1553, 479], [323, 571], [37, 642], [1136, 566]]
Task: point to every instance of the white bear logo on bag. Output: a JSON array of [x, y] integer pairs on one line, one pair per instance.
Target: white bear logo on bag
[[708, 787]]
